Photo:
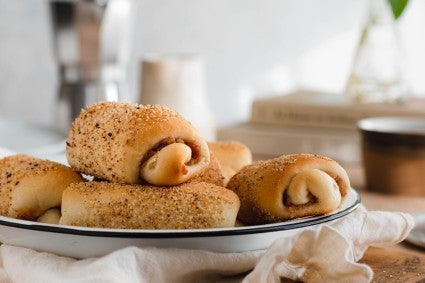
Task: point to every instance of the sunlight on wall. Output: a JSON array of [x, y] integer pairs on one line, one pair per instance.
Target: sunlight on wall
[[251, 49], [326, 66], [412, 26]]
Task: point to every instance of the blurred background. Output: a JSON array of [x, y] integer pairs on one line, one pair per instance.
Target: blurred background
[[250, 48]]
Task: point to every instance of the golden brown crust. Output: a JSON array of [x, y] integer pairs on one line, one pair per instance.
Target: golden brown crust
[[288, 187], [187, 206], [29, 186], [212, 174], [122, 142], [232, 154], [227, 173]]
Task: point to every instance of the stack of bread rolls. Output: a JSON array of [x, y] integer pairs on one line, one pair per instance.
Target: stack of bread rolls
[[146, 167], [154, 171]]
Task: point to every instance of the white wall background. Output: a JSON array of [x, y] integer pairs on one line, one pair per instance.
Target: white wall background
[[250, 47]]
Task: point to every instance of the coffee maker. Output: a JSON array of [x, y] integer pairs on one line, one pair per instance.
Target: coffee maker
[[91, 43]]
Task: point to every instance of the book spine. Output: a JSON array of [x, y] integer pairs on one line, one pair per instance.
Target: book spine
[[304, 115]]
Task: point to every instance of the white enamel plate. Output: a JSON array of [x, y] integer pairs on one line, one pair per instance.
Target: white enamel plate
[[82, 242]]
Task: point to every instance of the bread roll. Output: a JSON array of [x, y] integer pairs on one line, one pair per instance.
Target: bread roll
[[188, 206], [212, 174], [288, 187], [50, 216], [130, 143], [227, 173], [29, 186], [232, 154]]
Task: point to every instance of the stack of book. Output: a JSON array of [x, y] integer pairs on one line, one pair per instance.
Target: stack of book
[[311, 122]]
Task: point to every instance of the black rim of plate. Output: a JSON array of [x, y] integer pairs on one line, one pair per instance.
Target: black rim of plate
[[152, 234]]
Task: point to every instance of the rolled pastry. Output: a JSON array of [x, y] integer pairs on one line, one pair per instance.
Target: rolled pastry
[[232, 156], [288, 187], [227, 173], [30, 186], [212, 174], [130, 143], [188, 206]]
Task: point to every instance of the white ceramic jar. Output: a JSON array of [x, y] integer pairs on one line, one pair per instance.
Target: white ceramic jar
[[178, 81]]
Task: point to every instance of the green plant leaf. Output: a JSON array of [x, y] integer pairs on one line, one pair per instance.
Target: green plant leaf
[[397, 6]]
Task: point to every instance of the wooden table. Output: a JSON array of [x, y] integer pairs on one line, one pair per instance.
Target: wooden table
[[399, 263]]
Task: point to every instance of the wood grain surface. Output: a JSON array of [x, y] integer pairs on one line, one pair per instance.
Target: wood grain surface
[[403, 262], [392, 265]]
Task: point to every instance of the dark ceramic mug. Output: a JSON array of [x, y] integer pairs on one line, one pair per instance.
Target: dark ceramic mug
[[393, 154]]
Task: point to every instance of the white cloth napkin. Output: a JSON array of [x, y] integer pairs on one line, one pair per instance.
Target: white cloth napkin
[[323, 253]]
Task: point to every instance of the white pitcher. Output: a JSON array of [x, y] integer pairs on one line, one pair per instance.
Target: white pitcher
[[178, 81]]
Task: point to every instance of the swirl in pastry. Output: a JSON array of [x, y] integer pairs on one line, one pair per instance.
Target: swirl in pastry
[[130, 143], [288, 187]]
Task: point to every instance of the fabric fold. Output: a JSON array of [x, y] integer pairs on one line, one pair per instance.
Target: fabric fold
[[330, 252], [322, 253]]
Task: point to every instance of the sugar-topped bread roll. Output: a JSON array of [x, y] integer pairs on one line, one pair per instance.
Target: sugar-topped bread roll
[[130, 143], [231, 153], [288, 187], [188, 206], [232, 156], [212, 174], [30, 186]]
